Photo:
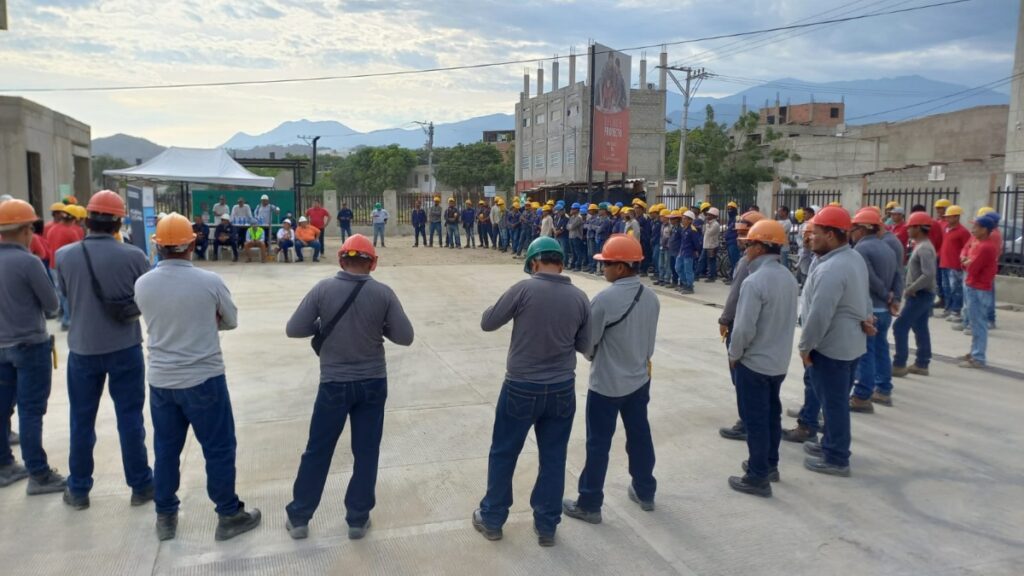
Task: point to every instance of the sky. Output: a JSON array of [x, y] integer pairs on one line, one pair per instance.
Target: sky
[[86, 43]]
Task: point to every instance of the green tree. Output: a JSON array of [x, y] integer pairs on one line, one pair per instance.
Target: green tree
[[106, 162], [373, 170], [470, 167]]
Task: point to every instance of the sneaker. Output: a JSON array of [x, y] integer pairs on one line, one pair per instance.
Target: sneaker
[[572, 510], [773, 474], [861, 405], [13, 438], [942, 314], [900, 371], [745, 485], [971, 363], [645, 505], [545, 540], [915, 369], [238, 523], [968, 332], [687, 290], [813, 449], [800, 434], [49, 482], [820, 466], [950, 317], [958, 327], [76, 502], [737, 432], [965, 357], [297, 532], [142, 497], [883, 399], [166, 526], [489, 533], [11, 473], [357, 532]]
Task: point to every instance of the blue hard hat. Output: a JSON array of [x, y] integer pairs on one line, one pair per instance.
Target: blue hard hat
[[575, 206], [619, 204], [540, 210]]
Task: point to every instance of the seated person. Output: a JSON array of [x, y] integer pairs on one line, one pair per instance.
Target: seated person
[[255, 237], [285, 240], [306, 235], [224, 235], [202, 236]]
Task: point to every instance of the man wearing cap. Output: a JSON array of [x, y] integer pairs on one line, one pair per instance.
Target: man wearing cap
[[224, 235], [712, 238], [306, 235], [451, 221], [590, 231], [574, 226], [899, 226], [483, 224], [105, 348], [547, 224], [551, 323], [922, 270], [560, 223], [241, 219], [671, 240], [62, 233], [345, 217], [318, 217], [623, 326], [285, 240], [499, 229], [264, 215], [954, 239], [185, 307], [690, 246], [202, 236], [379, 219], [468, 218], [419, 224], [513, 225], [981, 264], [361, 313], [435, 216], [26, 296]]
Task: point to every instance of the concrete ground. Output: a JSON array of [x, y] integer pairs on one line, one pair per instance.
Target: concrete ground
[[936, 486]]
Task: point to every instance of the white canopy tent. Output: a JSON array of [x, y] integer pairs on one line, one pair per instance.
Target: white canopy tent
[[197, 165]]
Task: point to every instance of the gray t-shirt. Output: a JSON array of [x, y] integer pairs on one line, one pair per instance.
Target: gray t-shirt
[[26, 294], [434, 213], [835, 302], [620, 362]]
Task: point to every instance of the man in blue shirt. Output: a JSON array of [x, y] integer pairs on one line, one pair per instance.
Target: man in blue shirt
[[419, 224], [468, 217], [345, 221]]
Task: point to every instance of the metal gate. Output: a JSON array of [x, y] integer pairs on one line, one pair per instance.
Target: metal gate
[[795, 198], [907, 198], [361, 206]]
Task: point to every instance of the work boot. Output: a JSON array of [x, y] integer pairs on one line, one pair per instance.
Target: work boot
[[915, 369], [489, 533], [747, 486], [47, 482], [76, 502], [166, 526], [297, 532], [645, 505], [142, 497], [737, 432], [861, 405], [900, 371], [238, 523], [968, 332], [545, 540], [883, 399], [952, 317], [940, 303], [357, 532], [13, 438], [773, 474], [11, 473], [813, 449], [942, 314], [971, 363], [799, 434], [958, 327], [820, 466], [572, 510]]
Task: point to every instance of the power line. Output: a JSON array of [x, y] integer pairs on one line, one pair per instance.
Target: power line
[[471, 66], [987, 85]]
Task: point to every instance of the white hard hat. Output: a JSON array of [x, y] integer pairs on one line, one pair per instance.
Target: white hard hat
[[161, 215], [225, 217], [713, 212], [264, 197], [303, 219], [5, 198], [689, 214]]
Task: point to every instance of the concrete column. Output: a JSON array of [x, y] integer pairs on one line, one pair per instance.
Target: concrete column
[[662, 71], [540, 81], [643, 74], [572, 69], [554, 75], [851, 193], [765, 190], [391, 205], [526, 86]]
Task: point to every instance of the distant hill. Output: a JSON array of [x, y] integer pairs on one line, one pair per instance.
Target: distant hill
[[288, 133], [131, 149]]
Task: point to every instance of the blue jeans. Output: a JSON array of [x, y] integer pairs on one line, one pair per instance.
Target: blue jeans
[[579, 253], [762, 416], [286, 247], [940, 282], [346, 230], [483, 232], [25, 376], [315, 245], [563, 241], [812, 407], [436, 227], [591, 245], [126, 371], [914, 316], [418, 231], [832, 380], [602, 414], [684, 269], [953, 288], [667, 266], [549, 410], [470, 239], [656, 260], [207, 409], [378, 232], [981, 303], [452, 238], [875, 367], [733, 248], [363, 402]]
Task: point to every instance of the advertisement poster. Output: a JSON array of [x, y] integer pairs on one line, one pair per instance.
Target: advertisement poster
[[611, 109], [148, 217], [135, 221]]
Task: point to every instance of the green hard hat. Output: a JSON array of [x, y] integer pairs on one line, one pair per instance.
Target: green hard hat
[[538, 247], [377, 205]]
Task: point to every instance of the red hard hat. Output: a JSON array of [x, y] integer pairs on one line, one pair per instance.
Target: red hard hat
[[358, 245], [107, 202], [920, 219], [621, 248], [833, 217], [868, 216]]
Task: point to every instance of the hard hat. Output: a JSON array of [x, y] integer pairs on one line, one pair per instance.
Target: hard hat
[[359, 246], [574, 206], [15, 213], [550, 202], [654, 209], [675, 214], [920, 219], [535, 205], [954, 210], [5, 198], [732, 204], [515, 204], [704, 206], [451, 199], [107, 202], [943, 203], [615, 210], [836, 203], [639, 202], [746, 220], [689, 214], [437, 198], [891, 204], [621, 248], [481, 203], [985, 210], [868, 217], [592, 207], [545, 208], [469, 202], [799, 215], [833, 217], [665, 212], [541, 210], [264, 197], [225, 217], [602, 206], [768, 232], [77, 211], [540, 246], [618, 204], [303, 219], [626, 210], [713, 212], [897, 210], [173, 230], [988, 221], [58, 207]]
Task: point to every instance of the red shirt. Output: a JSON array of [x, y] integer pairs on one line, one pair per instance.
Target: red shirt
[[935, 234], [953, 242], [900, 230], [318, 216], [60, 236], [39, 247], [982, 263]]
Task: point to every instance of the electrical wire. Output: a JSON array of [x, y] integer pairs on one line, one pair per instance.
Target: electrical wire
[[968, 91]]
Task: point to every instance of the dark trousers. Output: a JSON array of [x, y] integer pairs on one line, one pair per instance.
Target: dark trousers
[[362, 401], [549, 410], [602, 414], [579, 253], [25, 376], [875, 366], [436, 227], [809, 412], [495, 232], [484, 232], [732, 373], [762, 416], [732, 247], [346, 230], [563, 241], [470, 238], [418, 231], [513, 235], [207, 409], [832, 380], [914, 316], [708, 263], [217, 245], [201, 246], [126, 372], [315, 246], [240, 232]]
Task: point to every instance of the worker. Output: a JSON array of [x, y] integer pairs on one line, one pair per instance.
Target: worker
[[353, 381], [26, 296], [525, 223], [671, 241], [837, 313], [551, 323], [62, 233], [345, 216], [574, 231], [762, 343], [285, 240], [712, 238], [899, 226], [729, 235], [922, 271], [499, 228], [306, 235], [468, 219], [224, 235], [419, 225], [725, 322], [690, 246], [937, 234], [808, 420], [655, 242], [887, 216], [451, 220], [513, 224], [184, 308], [996, 239], [221, 208], [318, 217], [202, 231], [590, 233], [954, 239], [264, 215], [98, 276], [483, 225], [255, 237], [547, 225], [804, 252], [57, 215], [435, 215], [623, 326], [631, 226], [981, 264], [783, 217], [560, 224], [618, 227], [379, 219], [603, 229]]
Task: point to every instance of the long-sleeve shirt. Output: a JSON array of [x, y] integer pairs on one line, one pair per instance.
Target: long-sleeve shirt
[[738, 276], [882, 267], [419, 217], [632, 228], [496, 217], [893, 242], [345, 216], [265, 214], [436, 213], [762, 335], [690, 241], [512, 219], [575, 227], [621, 355], [241, 215], [547, 226], [730, 233], [184, 308], [560, 222], [922, 268], [26, 295], [221, 230], [602, 228], [953, 242], [835, 302], [712, 234], [550, 323], [451, 215], [982, 264], [354, 350], [468, 217]]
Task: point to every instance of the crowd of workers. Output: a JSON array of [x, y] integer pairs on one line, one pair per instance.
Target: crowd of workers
[[857, 280]]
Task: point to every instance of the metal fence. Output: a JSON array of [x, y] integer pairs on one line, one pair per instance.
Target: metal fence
[[169, 199], [361, 206], [795, 198], [1009, 203], [907, 198], [675, 201], [406, 202]]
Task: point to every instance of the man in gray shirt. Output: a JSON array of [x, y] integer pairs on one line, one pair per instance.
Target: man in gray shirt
[[184, 308], [434, 218], [104, 349], [920, 293], [551, 322], [353, 381], [761, 347], [26, 296], [624, 323]]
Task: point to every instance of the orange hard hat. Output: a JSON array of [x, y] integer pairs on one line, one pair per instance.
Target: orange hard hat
[[833, 217], [173, 230], [621, 248], [359, 246], [768, 232], [15, 213], [920, 219], [107, 202], [748, 219], [868, 216]]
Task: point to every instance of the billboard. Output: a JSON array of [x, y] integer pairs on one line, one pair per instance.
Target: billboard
[[610, 98]]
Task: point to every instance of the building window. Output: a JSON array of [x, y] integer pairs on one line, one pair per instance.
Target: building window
[[426, 178], [833, 112], [526, 121], [554, 115], [771, 119], [539, 119]]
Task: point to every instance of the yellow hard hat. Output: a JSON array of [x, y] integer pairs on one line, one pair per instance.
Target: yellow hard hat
[[535, 205], [58, 207], [665, 212], [891, 204], [675, 214], [983, 210], [626, 210], [639, 202], [732, 204], [515, 204], [954, 210], [500, 201], [654, 209], [704, 206], [799, 215], [943, 203], [451, 199], [77, 211], [550, 202], [592, 207], [835, 203], [437, 198], [614, 210], [546, 208]]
